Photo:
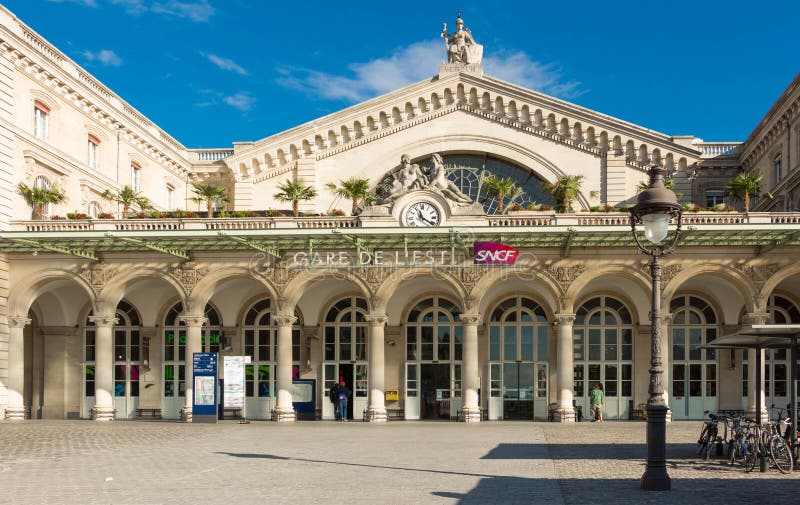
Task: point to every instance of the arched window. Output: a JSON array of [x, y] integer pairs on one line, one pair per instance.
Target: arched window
[[41, 120], [518, 354], [174, 356], [127, 347], [93, 146], [603, 353], [260, 334], [694, 370], [776, 366], [93, 209]]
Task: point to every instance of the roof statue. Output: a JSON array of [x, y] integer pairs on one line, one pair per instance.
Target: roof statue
[[461, 46], [410, 177]]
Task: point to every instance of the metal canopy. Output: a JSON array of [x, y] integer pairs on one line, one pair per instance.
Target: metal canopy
[[567, 239]]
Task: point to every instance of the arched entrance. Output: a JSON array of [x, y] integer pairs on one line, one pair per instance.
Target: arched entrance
[[345, 354], [434, 347], [603, 354], [518, 355]]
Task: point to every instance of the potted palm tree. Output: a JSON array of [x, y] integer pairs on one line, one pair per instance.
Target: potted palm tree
[[565, 190], [211, 194], [356, 190], [39, 198], [295, 192], [500, 188], [743, 187], [128, 198]]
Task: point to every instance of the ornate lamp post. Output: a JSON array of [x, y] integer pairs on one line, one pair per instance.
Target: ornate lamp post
[[654, 209]]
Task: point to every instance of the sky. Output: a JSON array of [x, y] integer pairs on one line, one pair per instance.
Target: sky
[[214, 72]]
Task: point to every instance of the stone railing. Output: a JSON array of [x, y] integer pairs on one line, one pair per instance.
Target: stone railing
[[717, 149], [518, 219], [211, 154]]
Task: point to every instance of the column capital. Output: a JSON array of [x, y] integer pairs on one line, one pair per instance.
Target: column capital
[[285, 320], [564, 319], [377, 319], [193, 320], [18, 321], [755, 318], [470, 318], [104, 321]]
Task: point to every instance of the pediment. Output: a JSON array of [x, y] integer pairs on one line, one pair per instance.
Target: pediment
[[488, 98]]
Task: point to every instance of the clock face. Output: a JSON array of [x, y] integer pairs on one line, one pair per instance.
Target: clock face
[[422, 214]]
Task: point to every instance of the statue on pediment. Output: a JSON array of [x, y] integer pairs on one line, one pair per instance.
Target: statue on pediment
[[440, 181], [461, 46], [410, 177]]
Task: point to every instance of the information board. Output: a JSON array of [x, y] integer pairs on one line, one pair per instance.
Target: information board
[[204, 392], [233, 370]]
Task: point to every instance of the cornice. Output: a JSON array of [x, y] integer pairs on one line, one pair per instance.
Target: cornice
[[775, 120]]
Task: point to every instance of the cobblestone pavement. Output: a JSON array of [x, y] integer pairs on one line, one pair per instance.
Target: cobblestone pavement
[[150, 462]]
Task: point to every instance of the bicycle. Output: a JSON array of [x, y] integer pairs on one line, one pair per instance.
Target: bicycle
[[708, 435]]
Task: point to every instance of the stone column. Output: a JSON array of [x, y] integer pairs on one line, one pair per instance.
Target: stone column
[[194, 343], [16, 367], [376, 410], [284, 411], [470, 410], [104, 367], [565, 378], [754, 389]]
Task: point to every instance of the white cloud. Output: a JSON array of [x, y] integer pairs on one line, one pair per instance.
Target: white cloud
[[105, 56], [417, 62], [242, 101], [199, 11], [225, 63], [87, 3]]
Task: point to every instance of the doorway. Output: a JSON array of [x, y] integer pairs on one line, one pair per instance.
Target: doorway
[[435, 389]]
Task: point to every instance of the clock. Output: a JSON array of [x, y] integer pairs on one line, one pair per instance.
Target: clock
[[422, 214]]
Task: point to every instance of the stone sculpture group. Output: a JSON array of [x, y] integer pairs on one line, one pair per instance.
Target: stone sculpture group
[[410, 177]]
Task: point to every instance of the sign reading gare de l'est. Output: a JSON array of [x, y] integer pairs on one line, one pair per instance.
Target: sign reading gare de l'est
[[483, 253]]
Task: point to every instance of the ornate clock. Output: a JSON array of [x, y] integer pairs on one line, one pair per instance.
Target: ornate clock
[[422, 214]]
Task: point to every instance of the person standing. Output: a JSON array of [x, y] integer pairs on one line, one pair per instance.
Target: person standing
[[333, 394], [597, 399], [341, 404]]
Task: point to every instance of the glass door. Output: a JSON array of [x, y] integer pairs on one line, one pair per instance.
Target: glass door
[[412, 403]]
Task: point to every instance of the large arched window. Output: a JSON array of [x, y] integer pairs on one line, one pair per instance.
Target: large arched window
[[603, 353], [260, 341], [434, 346], [175, 346], [345, 349], [694, 370], [127, 347], [518, 354]]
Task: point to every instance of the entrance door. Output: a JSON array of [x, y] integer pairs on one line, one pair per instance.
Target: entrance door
[[355, 378], [776, 378], [435, 391], [694, 390], [617, 381], [412, 397], [518, 391]]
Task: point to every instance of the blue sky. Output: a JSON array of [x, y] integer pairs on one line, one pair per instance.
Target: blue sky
[[212, 72]]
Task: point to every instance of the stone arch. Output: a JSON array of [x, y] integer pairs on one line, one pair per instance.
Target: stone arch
[[656, 157], [630, 151], [436, 102], [331, 138], [393, 284], [397, 117], [268, 161], [591, 140], [643, 157], [383, 120], [616, 145], [293, 153], [563, 128], [775, 280], [577, 133], [344, 134], [115, 290], [282, 157], [371, 124], [358, 131], [499, 108], [461, 96], [296, 287], [538, 121], [669, 163], [205, 288], [319, 142], [737, 279], [306, 147], [422, 106], [512, 110], [24, 294], [585, 284], [488, 292], [473, 97], [408, 111], [550, 123]]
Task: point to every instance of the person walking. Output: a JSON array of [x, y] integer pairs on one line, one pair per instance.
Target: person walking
[[341, 404], [334, 396], [597, 399]]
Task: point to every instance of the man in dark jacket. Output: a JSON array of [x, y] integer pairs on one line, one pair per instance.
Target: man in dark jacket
[[334, 396]]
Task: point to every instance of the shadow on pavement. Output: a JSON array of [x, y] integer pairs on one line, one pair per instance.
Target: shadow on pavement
[[583, 450]]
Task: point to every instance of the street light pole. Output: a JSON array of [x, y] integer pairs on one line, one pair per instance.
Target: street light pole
[[655, 207]]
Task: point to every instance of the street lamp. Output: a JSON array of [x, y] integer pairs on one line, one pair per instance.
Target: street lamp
[[655, 207]]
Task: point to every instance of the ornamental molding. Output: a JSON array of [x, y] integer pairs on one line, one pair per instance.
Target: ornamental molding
[[193, 321], [104, 321], [97, 275], [373, 277], [284, 320], [758, 274], [564, 319], [755, 318], [564, 276], [377, 319], [470, 276], [188, 275], [668, 272], [18, 321], [470, 318]]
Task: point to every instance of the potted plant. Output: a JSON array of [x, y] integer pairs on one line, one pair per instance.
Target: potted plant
[[39, 198], [105, 215], [356, 190], [500, 188], [295, 192], [565, 190], [743, 187], [211, 194], [128, 198], [337, 212]]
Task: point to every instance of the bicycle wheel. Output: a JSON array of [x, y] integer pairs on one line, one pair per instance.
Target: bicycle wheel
[[711, 438], [780, 454], [733, 451], [702, 442], [750, 454]]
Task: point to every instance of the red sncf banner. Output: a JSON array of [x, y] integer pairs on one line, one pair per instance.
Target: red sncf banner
[[494, 253]]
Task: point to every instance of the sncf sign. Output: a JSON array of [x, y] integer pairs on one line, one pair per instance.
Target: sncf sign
[[494, 253]]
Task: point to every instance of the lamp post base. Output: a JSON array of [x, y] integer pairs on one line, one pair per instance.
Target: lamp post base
[[655, 476]]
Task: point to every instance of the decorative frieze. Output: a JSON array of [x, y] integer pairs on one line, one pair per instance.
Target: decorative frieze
[[758, 274], [564, 276], [188, 275], [97, 275]]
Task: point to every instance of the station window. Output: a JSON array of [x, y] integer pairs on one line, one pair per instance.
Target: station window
[[170, 197], [93, 145], [714, 197], [136, 177], [41, 114], [777, 166]]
